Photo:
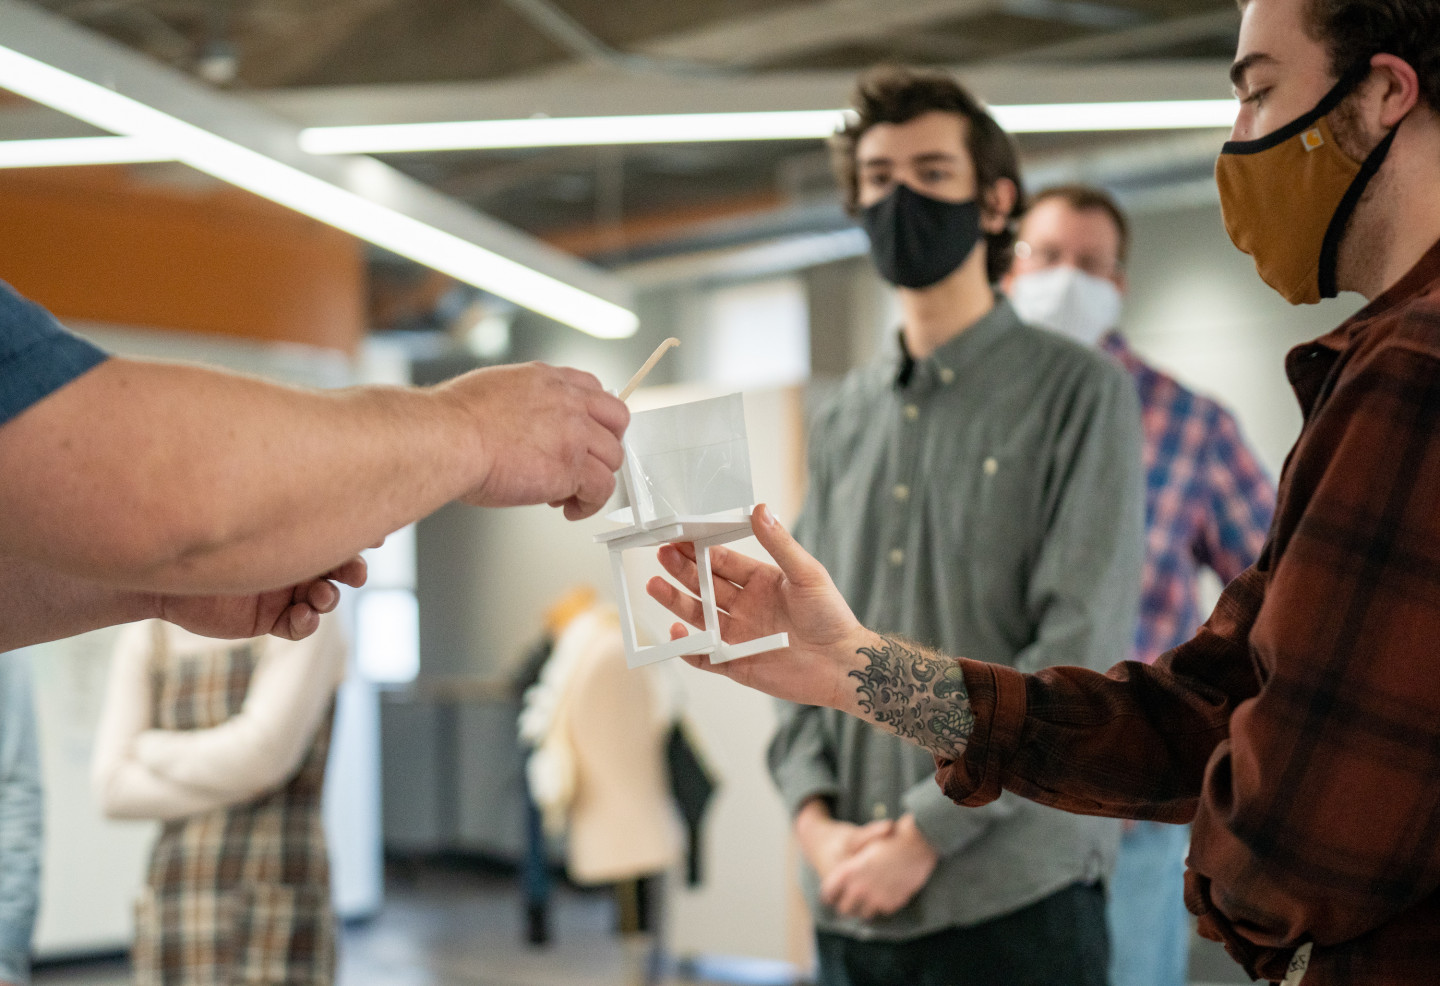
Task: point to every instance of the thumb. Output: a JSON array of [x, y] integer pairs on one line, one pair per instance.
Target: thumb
[[797, 564]]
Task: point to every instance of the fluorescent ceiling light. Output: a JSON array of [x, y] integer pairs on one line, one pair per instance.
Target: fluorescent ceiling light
[[57, 152], [313, 196], [666, 128], [1169, 114], [674, 128]]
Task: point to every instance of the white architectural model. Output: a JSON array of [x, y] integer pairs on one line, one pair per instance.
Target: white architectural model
[[686, 477]]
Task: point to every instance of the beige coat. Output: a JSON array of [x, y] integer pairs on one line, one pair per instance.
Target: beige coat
[[600, 765]]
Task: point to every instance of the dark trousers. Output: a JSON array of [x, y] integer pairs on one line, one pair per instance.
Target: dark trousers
[[1058, 941]]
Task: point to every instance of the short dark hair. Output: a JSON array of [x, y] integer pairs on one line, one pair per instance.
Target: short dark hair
[[1088, 198], [897, 94], [1354, 31]]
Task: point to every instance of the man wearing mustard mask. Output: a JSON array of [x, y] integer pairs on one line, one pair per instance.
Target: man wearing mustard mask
[[1300, 729]]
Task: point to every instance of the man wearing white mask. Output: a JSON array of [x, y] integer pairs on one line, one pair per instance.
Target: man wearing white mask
[[1208, 505]]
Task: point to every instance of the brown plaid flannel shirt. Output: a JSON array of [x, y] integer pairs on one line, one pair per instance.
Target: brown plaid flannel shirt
[[1300, 729]]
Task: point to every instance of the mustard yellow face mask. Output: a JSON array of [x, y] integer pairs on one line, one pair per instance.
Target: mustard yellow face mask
[[1287, 197]]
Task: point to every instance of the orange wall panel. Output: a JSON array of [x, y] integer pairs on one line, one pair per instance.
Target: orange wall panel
[[107, 245]]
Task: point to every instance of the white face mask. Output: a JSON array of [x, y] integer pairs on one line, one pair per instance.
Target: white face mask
[[1068, 301]]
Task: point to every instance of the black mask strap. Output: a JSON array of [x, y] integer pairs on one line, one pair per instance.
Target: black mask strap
[[1344, 87], [1335, 232]]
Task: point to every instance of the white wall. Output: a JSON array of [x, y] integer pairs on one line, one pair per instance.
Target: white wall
[[1197, 309]]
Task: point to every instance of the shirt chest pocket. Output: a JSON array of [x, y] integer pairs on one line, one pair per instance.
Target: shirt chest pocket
[[984, 503]]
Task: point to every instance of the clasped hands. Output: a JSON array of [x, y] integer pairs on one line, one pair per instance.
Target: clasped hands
[[866, 871]]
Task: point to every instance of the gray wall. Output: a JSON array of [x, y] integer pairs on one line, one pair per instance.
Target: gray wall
[[1197, 309]]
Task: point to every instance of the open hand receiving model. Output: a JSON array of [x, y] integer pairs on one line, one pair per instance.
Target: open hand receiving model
[[796, 597]]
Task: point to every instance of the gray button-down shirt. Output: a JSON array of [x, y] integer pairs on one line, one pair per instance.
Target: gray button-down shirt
[[986, 501]]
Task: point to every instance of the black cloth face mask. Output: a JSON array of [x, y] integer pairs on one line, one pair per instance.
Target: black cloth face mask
[[917, 241]]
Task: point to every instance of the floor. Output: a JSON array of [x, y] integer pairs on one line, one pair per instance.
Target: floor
[[448, 926]]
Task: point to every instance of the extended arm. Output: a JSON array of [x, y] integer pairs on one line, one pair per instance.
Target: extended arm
[[949, 706], [174, 478]]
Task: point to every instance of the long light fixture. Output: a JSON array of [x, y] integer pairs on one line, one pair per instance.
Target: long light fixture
[[672, 128], [400, 138], [314, 196], [61, 151]]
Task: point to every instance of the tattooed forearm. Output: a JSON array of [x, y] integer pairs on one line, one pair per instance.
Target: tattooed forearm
[[917, 695]]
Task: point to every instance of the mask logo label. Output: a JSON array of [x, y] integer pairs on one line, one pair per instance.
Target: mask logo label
[[1312, 139]]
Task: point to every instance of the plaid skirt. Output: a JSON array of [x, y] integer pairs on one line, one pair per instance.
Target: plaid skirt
[[239, 896]]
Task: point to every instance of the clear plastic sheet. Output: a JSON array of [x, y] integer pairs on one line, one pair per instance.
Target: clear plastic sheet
[[688, 460]]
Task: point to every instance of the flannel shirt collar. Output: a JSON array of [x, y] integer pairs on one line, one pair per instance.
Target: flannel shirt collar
[[1309, 364]]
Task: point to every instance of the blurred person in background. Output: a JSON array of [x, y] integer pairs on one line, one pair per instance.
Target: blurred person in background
[[1208, 504], [232, 506], [978, 488], [21, 820], [226, 744]]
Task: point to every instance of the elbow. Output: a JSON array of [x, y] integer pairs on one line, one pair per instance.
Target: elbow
[[105, 789], [155, 546]]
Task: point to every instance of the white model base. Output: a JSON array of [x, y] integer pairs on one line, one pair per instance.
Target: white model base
[[705, 532]]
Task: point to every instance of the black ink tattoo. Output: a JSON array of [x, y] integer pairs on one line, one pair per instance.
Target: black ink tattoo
[[916, 695]]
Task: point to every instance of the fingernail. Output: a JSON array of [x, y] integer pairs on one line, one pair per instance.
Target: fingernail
[[763, 514]]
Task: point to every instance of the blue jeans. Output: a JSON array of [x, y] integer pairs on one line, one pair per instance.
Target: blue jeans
[[1149, 926], [20, 818]]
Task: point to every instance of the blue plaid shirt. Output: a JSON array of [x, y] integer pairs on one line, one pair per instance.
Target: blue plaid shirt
[[1208, 501]]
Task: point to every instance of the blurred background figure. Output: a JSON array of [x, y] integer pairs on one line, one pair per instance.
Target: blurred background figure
[[226, 743], [1208, 504], [20, 820], [597, 770]]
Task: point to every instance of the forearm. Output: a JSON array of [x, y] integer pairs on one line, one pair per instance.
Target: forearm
[[908, 690], [264, 743], [38, 603], [197, 481], [130, 790]]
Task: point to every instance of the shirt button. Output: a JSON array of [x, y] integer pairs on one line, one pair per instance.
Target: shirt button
[[991, 466], [897, 556], [902, 492], [912, 412], [879, 811], [947, 375]]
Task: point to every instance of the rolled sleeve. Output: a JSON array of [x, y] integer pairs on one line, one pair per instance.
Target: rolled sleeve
[[997, 697]]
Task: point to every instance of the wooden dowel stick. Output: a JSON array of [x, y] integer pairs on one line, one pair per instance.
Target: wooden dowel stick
[[640, 375]]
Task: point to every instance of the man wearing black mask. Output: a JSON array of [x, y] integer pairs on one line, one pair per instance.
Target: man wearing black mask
[[977, 490]]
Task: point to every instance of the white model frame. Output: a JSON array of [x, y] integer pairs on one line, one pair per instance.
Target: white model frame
[[705, 531]]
